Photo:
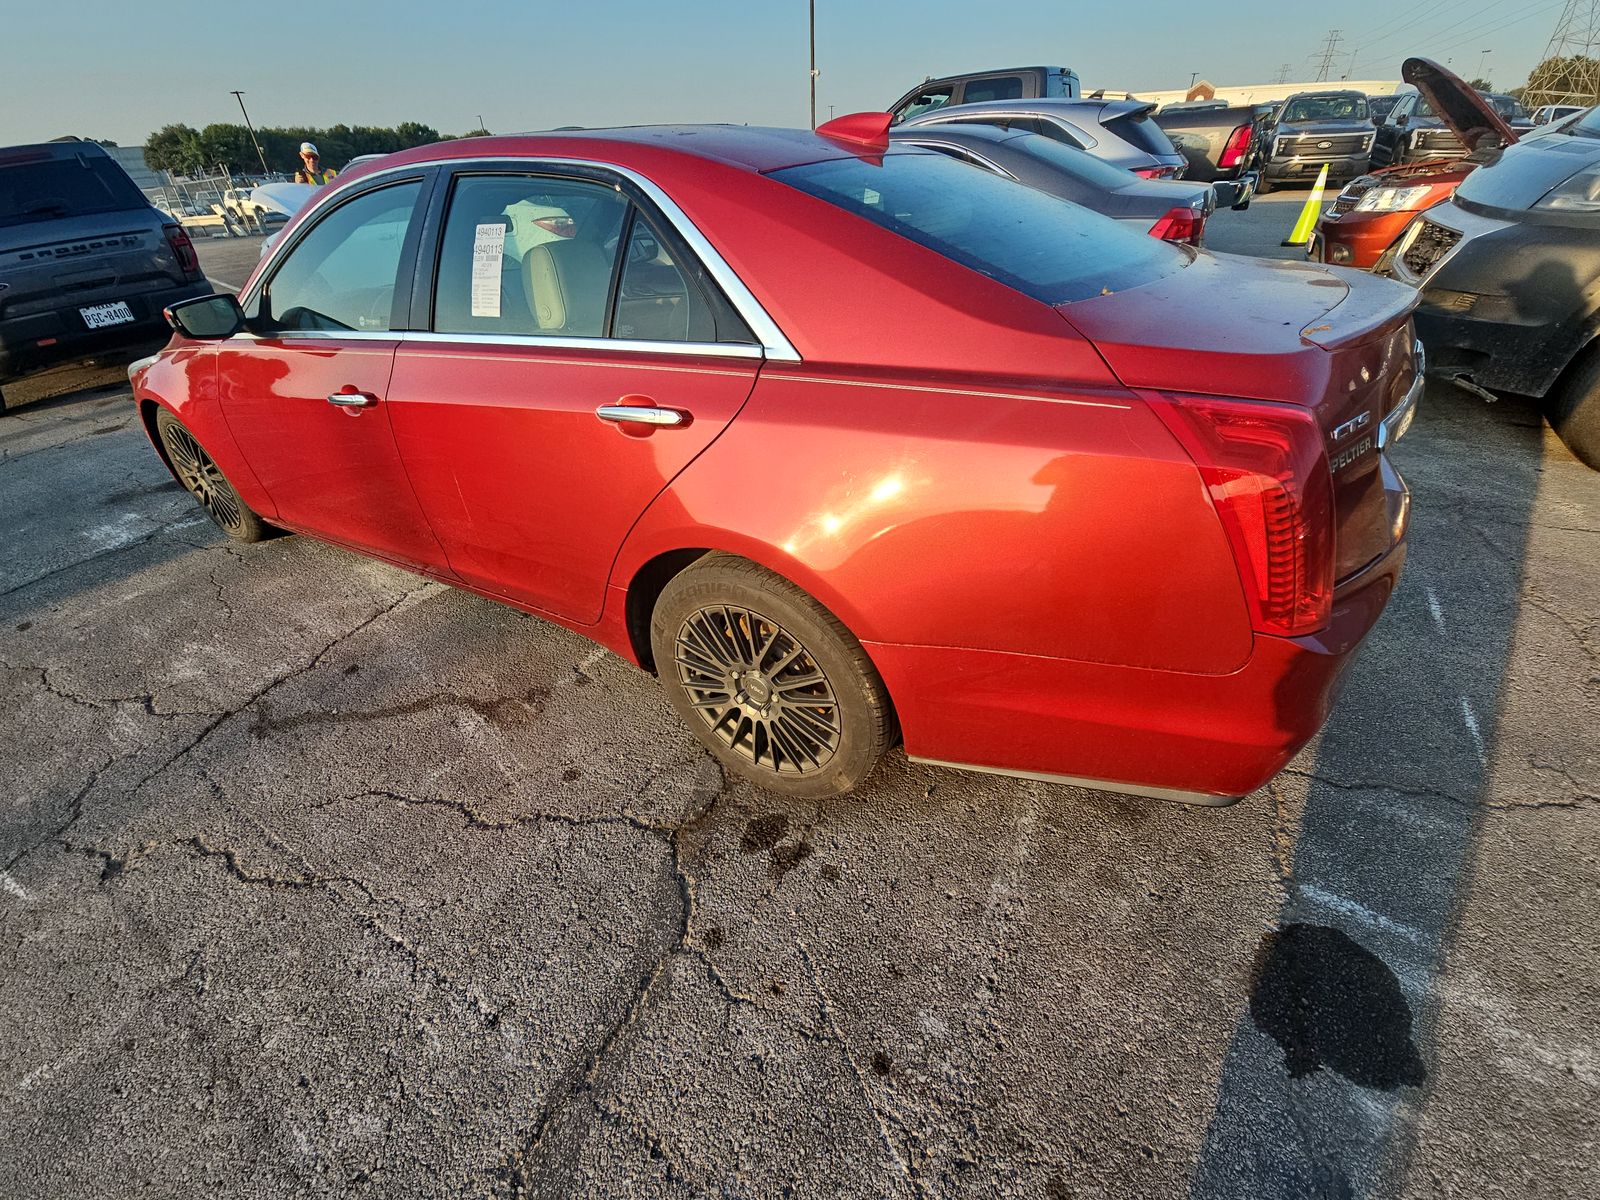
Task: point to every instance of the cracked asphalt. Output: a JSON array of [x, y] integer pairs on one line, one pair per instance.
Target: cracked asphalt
[[320, 879]]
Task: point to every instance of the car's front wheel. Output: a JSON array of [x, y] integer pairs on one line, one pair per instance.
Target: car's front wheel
[[1574, 410], [769, 680], [205, 481]]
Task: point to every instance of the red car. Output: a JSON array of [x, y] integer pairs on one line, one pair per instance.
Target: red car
[[846, 441]]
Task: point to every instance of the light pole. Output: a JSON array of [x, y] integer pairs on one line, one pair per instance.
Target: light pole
[[1193, 75], [1483, 54], [239, 96], [813, 11]]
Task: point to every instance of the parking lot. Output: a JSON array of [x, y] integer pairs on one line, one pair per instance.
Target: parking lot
[[320, 878]]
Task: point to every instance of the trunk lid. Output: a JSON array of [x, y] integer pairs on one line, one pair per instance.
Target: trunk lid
[[1337, 343]]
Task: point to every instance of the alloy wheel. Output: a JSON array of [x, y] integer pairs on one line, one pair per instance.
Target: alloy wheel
[[758, 689], [203, 478]]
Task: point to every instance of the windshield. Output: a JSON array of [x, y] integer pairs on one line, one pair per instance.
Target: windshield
[[64, 187], [1326, 108], [1507, 107], [1050, 249], [1587, 125]]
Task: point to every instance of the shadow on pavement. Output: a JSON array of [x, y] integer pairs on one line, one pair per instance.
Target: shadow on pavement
[[1326, 1071]]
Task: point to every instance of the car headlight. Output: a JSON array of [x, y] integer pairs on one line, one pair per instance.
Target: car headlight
[[1416, 136], [1581, 193], [1392, 199]]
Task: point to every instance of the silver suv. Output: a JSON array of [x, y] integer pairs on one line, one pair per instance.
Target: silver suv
[[86, 262]]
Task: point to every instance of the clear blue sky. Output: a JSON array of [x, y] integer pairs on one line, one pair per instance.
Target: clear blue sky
[[120, 68]]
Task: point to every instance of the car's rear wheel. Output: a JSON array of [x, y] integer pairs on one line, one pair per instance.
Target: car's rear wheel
[[1574, 410], [770, 681], [205, 481]]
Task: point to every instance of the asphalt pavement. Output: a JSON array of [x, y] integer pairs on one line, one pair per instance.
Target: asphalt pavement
[[321, 879]]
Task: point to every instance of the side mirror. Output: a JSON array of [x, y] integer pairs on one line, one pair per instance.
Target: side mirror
[[207, 317], [1403, 119]]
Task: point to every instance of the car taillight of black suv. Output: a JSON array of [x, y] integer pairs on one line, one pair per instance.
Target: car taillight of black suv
[[87, 264]]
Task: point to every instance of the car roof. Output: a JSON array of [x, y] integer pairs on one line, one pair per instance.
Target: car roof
[[748, 147], [1046, 105], [1328, 92], [40, 151]]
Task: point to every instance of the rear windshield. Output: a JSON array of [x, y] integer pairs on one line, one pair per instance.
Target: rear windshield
[[64, 187], [1138, 130], [1080, 164], [1050, 249], [1326, 108]]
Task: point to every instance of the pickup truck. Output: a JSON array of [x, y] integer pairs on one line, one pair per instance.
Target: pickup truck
[[1311, 130], [1011, 83], [1224, 145]]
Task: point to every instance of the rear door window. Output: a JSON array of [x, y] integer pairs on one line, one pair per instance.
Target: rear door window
[[528, 255], [45, 189], [1050, 249], [997, 87]]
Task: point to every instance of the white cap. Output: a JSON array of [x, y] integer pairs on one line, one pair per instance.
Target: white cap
[[307, 148]]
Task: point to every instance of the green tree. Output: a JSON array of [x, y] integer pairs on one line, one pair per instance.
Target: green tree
[[174, 148], [1480, 85]]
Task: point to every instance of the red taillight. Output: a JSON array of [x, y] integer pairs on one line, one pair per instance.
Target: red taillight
[[1267, 473], [1238, 145], [560, 226], [1149, 172], [1181, 225], [183, 250]]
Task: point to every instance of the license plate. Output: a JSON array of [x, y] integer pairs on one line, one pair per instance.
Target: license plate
[[98, 316]]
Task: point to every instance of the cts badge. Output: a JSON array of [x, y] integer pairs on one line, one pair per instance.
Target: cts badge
[[1358, 422]]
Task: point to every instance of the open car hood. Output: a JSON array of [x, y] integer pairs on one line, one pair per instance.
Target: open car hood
[[1469, 116]]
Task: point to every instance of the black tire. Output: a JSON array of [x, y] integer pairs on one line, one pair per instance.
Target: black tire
[[1264, 186], [204, 480], [770, 681], [1574, 410]]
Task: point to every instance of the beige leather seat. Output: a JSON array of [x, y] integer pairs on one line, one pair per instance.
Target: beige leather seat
[[566, 283]]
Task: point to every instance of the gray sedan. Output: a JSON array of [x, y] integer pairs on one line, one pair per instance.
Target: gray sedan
[[1166, 208], [1118, 131]]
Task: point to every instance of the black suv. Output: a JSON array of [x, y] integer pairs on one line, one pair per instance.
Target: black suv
[[86, 262], [1316, 129]]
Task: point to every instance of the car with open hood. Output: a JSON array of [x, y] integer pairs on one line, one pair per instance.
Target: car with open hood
[[1374, 209], [847, 441], [1509, 276]]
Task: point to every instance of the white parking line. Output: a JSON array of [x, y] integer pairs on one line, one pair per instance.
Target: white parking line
[[1471, 719], [1436, 611], [1350, 908], [14, 888]]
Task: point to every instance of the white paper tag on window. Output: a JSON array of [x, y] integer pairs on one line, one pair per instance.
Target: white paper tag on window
[[488, 246]]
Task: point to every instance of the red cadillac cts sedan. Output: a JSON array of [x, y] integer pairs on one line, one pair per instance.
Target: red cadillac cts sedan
[[847, 442]]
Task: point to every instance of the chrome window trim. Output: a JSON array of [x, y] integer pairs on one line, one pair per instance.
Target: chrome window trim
[[529, 341], [774, 344], [937, 146]]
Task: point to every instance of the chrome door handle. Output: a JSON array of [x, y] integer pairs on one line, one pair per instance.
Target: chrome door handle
[[629, 414], [353, 399]]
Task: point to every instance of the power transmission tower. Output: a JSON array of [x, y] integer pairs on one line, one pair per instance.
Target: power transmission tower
[[1330, 46], [1283, 74], [1577, 39]]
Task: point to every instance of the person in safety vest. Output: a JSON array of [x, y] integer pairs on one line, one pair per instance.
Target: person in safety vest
[[309, 171]]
